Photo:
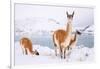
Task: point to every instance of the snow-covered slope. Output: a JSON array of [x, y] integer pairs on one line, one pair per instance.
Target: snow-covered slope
[[47, 55], [35, 23], [89, 30], [42, 26]]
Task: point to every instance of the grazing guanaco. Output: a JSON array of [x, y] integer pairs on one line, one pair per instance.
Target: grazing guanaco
[[62, 38], [26, 45]]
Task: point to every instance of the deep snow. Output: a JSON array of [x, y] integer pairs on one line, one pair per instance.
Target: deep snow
[[47, 55]]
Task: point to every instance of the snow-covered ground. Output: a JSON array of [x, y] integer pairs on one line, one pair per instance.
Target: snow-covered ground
[[33, 23], [42, 27], [47, 55]]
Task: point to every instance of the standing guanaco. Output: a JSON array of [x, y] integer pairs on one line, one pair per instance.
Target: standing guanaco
[[62, 38], [74, 37]]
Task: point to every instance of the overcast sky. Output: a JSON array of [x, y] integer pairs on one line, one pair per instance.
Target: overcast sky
[[82, 17]]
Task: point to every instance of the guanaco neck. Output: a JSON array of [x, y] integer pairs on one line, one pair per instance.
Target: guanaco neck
[[75, 37], [69, 28]]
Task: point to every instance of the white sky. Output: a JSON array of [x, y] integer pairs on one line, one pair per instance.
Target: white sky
[[82, 17]]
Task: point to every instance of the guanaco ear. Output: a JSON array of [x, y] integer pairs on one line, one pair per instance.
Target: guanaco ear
[[73, 14]]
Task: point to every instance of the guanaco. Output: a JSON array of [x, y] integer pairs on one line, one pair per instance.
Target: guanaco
[[74, 37], [26, 45], [62, 38]]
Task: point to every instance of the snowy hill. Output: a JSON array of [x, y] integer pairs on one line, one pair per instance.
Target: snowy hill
[[42, 26], [89, 30]]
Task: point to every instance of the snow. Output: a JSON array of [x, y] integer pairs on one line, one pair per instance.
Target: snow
[[30, 27], [35, 26], [89, 30], [47, 55], [42, 26], [32, 23]]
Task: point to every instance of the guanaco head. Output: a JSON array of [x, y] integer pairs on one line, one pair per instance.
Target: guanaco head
[[70, 16], [36, 52], [78, 32]]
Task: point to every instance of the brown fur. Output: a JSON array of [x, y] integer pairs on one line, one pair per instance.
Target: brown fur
[[62, 38], [61, 35], [26, 44], [74, 39]]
